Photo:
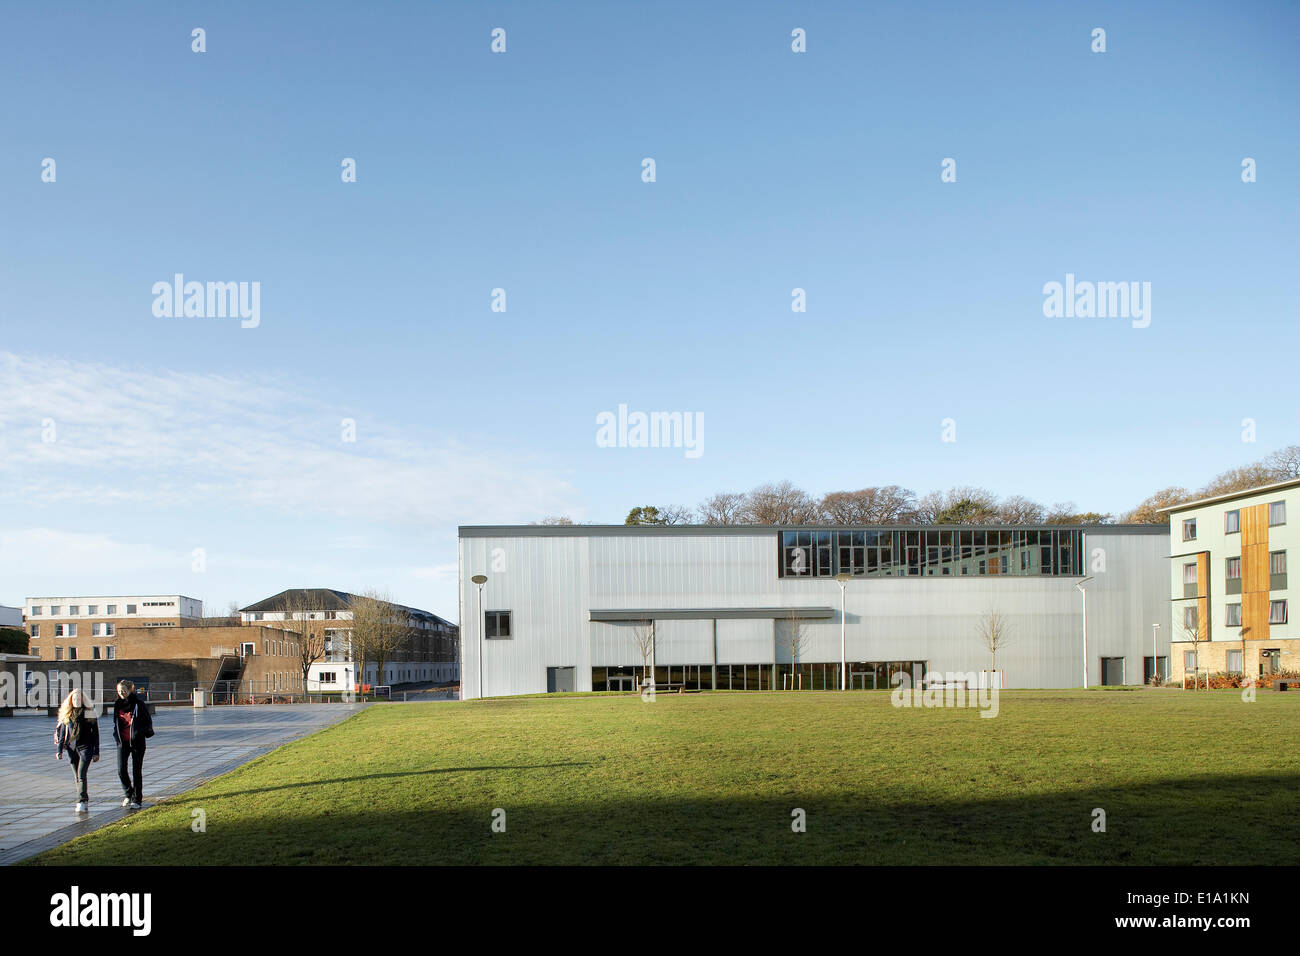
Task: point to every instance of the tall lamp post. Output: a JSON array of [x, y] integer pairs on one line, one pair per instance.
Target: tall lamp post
[[1084, 592], [843, 579], [1155, 652], [480, 580]]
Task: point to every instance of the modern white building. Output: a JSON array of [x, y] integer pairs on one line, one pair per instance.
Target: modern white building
[[568, 607]]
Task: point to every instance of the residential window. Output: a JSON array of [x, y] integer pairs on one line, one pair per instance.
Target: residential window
[[110, 609], [92, 609], [1277, 512], [1232, 569], [72, 630], [1234, 662], [37, 610], [94, 652], [1189, 529], [97, 629], [36, 630], [58, 653], [1189, 618], [257, 615], [498, 624], [1231, 522], [111, 653], [109, 629], [1277, 612], [72, 653], [1189, 660], [55, 609], [74, 609], [58, 630], [1277, 562], [1232, 615], [130, 609], [1189, 573]]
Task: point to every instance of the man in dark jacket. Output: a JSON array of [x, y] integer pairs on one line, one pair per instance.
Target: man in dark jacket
[[132, 725]]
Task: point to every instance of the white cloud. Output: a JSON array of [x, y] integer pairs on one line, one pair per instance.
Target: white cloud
[[49, 551], [195, 440]]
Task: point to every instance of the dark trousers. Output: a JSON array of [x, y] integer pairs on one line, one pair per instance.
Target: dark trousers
[[135, 753], [80, 761]]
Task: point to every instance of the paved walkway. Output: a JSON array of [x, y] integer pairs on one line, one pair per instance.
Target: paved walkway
[[38, 793]]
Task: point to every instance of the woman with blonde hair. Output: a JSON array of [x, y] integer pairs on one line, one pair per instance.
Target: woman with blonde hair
[[78, 733]]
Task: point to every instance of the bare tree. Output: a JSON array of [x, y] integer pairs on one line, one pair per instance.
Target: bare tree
[[726, 507], [1017, 509], [958, 506], [1148, 512], [796, 638], [1065, 512], [780, 503], [995, 633], [668, 514], [888, 505], [643, 638], [677, 514], [1239, 479], [1195, 630], [380, 629], [1284, 463], [299, 610]]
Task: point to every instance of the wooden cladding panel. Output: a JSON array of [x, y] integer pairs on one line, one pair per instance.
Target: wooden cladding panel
[[1254, 572], [1203, 594]]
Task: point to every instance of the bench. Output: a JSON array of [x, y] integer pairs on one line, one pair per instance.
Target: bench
[[665, 687]]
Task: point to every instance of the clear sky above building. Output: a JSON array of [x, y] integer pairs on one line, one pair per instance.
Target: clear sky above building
[[192, 454]]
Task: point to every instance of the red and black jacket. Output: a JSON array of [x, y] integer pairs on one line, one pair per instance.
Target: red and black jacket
[[140, 720]]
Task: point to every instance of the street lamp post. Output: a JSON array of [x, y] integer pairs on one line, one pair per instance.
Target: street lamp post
[[480, 580], [1082, 590], [843, 579]]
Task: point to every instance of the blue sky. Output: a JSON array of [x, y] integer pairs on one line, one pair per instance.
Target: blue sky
[[522, 171]]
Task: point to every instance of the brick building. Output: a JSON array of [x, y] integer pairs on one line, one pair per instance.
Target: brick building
[[85, 628], [430, 651]]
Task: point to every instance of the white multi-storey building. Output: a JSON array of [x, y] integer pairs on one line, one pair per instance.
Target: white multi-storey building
[[81, 627]]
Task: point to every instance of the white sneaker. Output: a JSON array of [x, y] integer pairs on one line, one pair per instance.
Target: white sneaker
[[126, 801], [81, 807]]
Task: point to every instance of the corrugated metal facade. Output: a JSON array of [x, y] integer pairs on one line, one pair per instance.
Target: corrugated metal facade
[[551, 579]]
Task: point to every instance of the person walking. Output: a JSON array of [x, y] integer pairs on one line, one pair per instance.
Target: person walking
[[78, 733], [132, 726]]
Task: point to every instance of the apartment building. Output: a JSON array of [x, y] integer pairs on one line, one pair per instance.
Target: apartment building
[[84, 628], [430, 651], [1230, 592]]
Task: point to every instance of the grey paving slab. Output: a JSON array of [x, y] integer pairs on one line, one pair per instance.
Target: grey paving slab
[[38, 793]]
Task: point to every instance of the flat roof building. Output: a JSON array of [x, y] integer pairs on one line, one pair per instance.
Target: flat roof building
[[754, 607], [1229, 588], [73, 628]]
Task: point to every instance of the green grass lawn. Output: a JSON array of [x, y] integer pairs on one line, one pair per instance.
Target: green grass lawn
[[712, 778]]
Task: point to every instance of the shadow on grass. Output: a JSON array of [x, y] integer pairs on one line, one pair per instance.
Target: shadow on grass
[[305, 785], [1203, 820]]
